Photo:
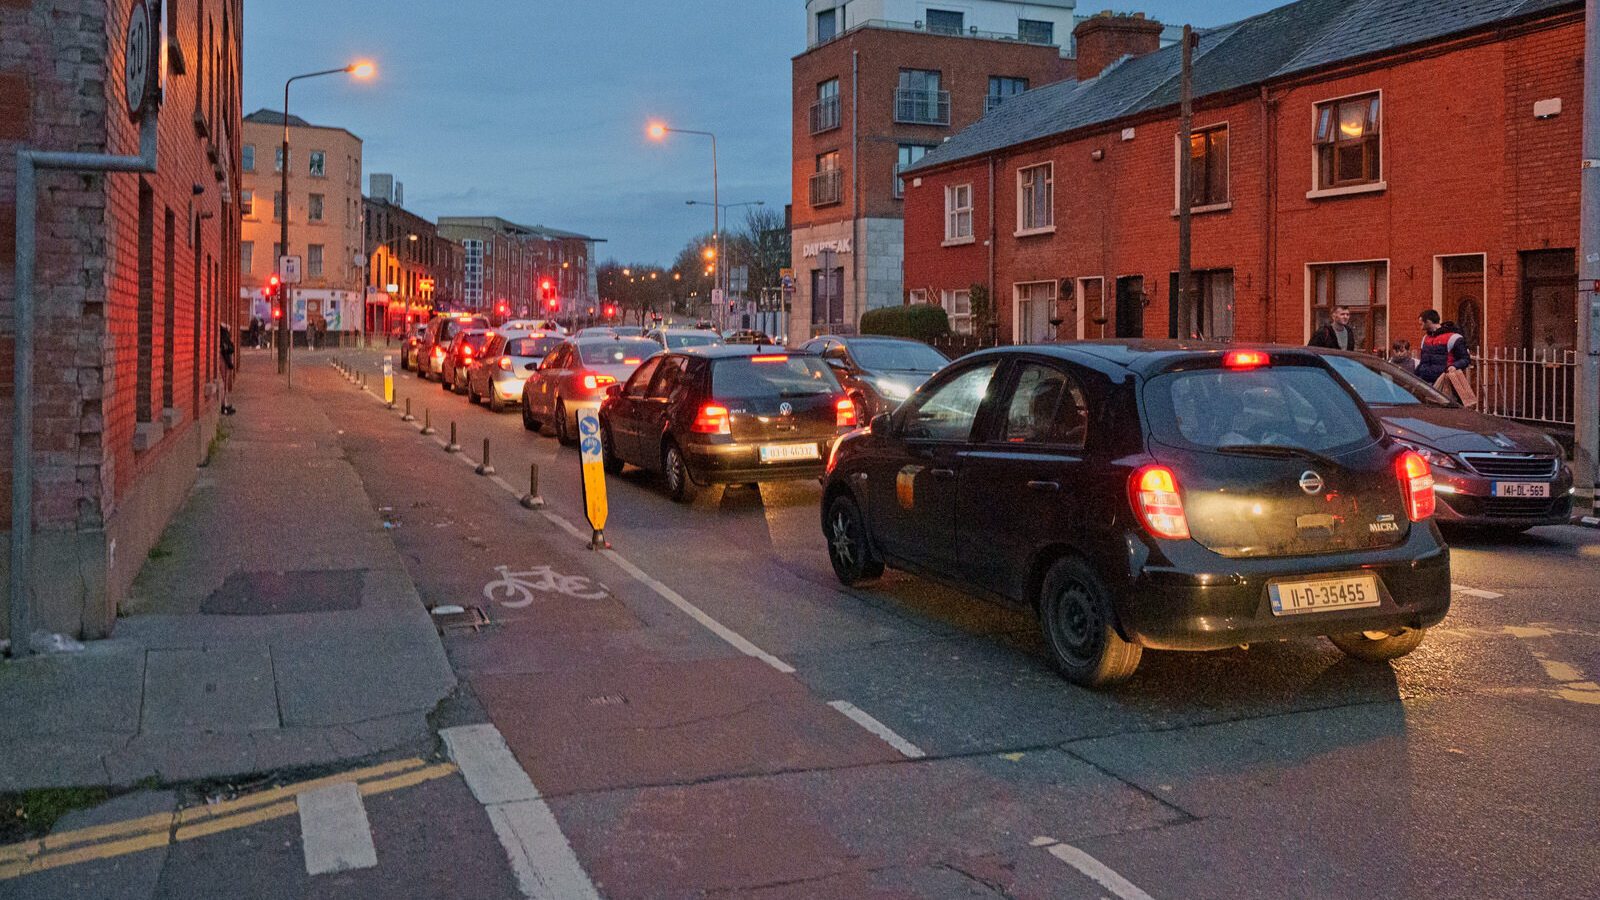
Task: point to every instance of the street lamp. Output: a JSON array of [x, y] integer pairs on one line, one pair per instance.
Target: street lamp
[[658, 131], [361, 69]]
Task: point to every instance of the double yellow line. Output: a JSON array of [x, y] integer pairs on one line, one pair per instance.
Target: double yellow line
[[83, 845]]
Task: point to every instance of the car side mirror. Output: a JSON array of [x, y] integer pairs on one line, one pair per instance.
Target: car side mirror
[[879, 424], [613, 391]]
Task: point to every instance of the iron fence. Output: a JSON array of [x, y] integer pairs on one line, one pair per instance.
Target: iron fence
[[1532, 385]]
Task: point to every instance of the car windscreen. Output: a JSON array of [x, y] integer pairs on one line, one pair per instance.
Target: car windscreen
[[691, 339], [759, 377], [1286, 406], [532, 346], [626, 352], [1386, 386], [906, 356]]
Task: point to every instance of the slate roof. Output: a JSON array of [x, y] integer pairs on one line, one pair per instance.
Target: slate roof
[[1291, 39]]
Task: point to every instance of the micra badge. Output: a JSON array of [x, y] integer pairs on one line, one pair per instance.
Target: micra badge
[[1386, 525]]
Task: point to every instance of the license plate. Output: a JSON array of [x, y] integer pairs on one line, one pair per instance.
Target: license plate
[[1530, 489], [1324, 594], [771, 453]]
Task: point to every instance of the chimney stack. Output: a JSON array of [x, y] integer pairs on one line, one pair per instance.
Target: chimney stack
[[1107, 37]]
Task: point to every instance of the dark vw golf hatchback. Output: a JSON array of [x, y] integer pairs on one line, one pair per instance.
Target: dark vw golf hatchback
[[1146, 494]]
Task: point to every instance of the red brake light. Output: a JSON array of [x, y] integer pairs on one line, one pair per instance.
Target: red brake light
[[845, 413], [769, 359], [1245, 359], [1154, 492], [505, 363], [712, 419], [438, 353], [1416, 484], [596, 382]]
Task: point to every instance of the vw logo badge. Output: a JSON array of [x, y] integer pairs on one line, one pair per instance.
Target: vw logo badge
[[1311, 483], [786, 408]]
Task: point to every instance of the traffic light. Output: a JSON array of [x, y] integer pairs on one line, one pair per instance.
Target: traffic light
[[611, 311]]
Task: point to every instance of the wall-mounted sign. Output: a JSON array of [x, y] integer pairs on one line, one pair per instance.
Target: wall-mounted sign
[[141, 67], [842, 245]]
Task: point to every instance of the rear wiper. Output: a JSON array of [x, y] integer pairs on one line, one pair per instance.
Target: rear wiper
[[1278, 451]]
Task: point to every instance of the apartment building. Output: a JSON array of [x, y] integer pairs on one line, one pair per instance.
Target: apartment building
[[505, 262], [411, 269]]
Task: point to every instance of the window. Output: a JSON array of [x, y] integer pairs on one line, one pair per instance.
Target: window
[[1211, 306], [277, 158], [948, 412], [919, 296], [1036, 306], [920, 99], [827, 25], [247, 253], [314, 208], [1290, 406], [1036, 198], [247, 157], [942, 21], [1347, 139], [314, 260], [958, 306], [319, 163], [1001, 88], [1363, 288], [1047, 407], [1033, 31], [825, 113], [670, 377], [1208, 167], [639, 384], [247, 203], [958, 213], [827, 186], [909, 154], [277, 206]]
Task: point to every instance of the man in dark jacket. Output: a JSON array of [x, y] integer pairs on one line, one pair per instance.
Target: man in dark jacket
[[1337, 334], [1443, 348]]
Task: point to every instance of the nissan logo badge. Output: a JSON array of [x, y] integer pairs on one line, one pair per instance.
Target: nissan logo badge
[[786, 408], [1311, 483]]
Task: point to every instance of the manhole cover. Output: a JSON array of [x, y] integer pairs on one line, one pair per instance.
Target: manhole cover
[[286, 593], [458, 618]]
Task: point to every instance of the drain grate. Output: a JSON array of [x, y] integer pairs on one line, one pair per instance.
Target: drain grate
[[286, 593], [459, 618]]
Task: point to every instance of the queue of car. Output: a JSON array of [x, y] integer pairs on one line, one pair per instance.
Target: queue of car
[[1132, 494]]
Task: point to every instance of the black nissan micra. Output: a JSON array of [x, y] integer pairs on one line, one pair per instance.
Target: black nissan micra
[[1149, 494]]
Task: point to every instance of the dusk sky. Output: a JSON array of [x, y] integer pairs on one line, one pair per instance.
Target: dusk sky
[[535, 110]]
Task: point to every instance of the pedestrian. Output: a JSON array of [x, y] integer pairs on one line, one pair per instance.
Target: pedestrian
[[1443, 348], [226, 350], [1337, 334], [1400, 355]]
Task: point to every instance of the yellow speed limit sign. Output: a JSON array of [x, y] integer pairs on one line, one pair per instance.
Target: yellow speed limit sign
[[594, 475]]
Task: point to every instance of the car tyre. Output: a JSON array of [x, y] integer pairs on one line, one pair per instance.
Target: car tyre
[[849, 550], [680, 484], [1378, 646], [472, 396], [1079, 627], [528, 421], [496, 405], [563, 430], [608, 455]]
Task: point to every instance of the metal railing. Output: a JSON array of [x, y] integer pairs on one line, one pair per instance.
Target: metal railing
[[956, 346], [1532, 385], [827, 188], [825, 115], [889, 25], [921, 107]]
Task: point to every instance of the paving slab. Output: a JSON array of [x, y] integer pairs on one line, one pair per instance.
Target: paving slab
[[225, 691]]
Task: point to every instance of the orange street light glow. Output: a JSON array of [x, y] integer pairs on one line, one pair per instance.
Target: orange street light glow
[[657, 131], [362, 69], [710, 253]]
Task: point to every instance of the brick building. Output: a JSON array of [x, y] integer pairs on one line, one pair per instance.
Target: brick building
[[505, 262], [881, 84], [134, 273], [324, 216], [406, 251], [1389, 158]]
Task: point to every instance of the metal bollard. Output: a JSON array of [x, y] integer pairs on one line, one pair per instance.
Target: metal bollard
[[452, 447], [427, 420], [408, 417], [533, 500], [484, 468]]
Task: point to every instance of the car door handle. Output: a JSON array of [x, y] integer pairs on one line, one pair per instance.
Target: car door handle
[[942, 473], [1044, 487]]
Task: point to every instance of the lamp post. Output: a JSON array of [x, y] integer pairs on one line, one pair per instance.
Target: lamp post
[[285, 331], [659, 131], [366, 281]]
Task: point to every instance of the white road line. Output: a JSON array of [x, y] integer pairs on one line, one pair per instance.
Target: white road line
[[1098, 871], [887, 734], [1474, 592], [543, 861], [334, 830]]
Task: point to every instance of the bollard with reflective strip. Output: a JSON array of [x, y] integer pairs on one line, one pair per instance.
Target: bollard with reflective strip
[[594, 477], [388, 381]]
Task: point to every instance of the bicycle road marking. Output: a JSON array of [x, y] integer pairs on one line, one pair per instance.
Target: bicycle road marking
[[519, 587]]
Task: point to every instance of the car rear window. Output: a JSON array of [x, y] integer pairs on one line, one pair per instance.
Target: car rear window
[[757, 377], [476, 340], [617, 353], [680, 341], [908, 356], [1386, 386], [530, 346], [1288, 406]]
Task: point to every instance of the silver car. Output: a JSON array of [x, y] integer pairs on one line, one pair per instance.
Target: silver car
[[684, 338], [575, 376], [499, 374]]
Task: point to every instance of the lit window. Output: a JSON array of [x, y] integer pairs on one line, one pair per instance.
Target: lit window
[[1349, 151], [1362, 288], [1208, 167]]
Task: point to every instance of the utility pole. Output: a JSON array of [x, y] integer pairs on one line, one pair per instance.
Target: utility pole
[[1182, 328], [1587, 432]]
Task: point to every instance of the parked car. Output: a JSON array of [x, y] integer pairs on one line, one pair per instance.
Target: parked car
[[501, 371], [683, 338], [1489, 473], [748, 336], [575, 376], [467, 346], [435, 343], [725, 415], [410, 343], [1162, 495], [878, 372]]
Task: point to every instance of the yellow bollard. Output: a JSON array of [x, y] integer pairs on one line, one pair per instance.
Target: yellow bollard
[[388, 381]]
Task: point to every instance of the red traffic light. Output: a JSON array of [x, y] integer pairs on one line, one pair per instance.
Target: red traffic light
[[611, 310], [553, 304], [273, 281], [277, 313]]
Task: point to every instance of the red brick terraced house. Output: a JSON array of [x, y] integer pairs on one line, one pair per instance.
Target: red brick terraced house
[[1385, 157], [134, 273]]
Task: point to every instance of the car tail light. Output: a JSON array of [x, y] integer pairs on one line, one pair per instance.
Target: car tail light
[[777, 358], [438, 353], [632, 362], [1245, 359], [505, 363], [712, 419], [594, 382], [1416, 483], [845, 413], [1154, 492]]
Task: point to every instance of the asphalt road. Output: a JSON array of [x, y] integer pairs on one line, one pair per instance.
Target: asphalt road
[[921, 745]]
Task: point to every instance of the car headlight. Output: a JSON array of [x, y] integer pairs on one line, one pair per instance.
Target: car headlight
[[1436, 458], [891, 389]]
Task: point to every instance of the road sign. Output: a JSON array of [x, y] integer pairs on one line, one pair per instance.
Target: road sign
[[594, 475], [786, 278], [289, 269], [739, 279], [716, 296]]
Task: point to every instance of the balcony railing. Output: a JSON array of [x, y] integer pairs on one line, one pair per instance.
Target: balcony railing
[[825, 115], [827, 188], [923, 27], [922, 107]]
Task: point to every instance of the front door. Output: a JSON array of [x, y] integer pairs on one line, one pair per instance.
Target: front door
[[1130, 306], [1548, 301], [1461, 296]]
